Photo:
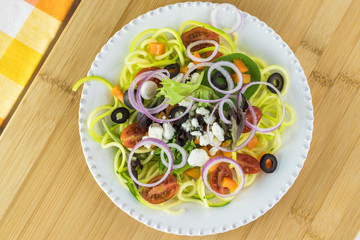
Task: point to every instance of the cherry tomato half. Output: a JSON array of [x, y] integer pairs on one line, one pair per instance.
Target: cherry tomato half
[[217, 176], [249, 118], [162, 192], [131, 135], [249, 164], [155, 80], [199, 33]]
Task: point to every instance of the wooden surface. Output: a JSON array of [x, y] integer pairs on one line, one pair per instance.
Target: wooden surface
[[47, 191]]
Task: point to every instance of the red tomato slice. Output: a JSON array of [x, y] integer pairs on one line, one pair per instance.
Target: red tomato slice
[[197, 34], [217, 176], [249, 164], [155, 80], [131, 135], [162, 192], [249, 118]]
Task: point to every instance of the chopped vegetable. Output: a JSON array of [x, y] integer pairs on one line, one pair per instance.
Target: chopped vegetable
[[125, 114], [116, 92], [193, 172], [268, 163], [241, 66], [156, 48], [229, 183], [253, 142]]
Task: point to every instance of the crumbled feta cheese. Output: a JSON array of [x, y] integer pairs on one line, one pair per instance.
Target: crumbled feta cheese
[[218, 131], [194, 123], [202, 111], [168, 131], [207, 119], [186, 125], [185, 102], [156, 131], [194, 77], [196, 133], [193, 108], [204, 139], [178, 78], [190, 65], [198, 157], [213, 151]]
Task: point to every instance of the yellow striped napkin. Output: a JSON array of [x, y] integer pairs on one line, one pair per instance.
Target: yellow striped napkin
[[26, 30]]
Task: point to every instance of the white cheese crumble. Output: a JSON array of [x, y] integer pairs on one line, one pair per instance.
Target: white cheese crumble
[[186, 125], [156, 131], [218, 131], [202, 111], [194, 123], [168, 131], [213, 151], [196, 133], [198, 157]]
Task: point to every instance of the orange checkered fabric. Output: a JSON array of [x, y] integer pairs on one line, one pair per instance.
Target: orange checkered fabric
[[26, 30]]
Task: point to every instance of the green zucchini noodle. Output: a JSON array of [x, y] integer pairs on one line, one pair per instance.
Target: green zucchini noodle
[[148, 164]]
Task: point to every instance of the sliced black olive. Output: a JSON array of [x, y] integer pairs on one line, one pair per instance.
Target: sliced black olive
[[125, 114], [219, 81], [173, 69], [173, 114], [277, 80], [268, 163]]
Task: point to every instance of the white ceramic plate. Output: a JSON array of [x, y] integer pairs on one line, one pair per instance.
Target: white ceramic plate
[[256, 39]]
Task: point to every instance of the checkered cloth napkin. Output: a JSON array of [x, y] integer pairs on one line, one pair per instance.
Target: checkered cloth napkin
[[26, 30]]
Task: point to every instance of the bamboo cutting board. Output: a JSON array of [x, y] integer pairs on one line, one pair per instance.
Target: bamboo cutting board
[[47, 192]]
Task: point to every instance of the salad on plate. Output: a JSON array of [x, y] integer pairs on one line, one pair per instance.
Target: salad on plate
[[194, 118]]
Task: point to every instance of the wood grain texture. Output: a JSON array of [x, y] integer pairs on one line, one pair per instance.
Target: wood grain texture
[[47, 192]]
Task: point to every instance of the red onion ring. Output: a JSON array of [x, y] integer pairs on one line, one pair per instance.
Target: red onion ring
[[252, 132], [229, 80], [183, 154], [221, 110], [239, 17], [160, 144], [196, 59], [253, 126], [239, 174], [144, 77]]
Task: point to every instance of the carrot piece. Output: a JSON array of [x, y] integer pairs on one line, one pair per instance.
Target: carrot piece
[[229, 183], [227, 154], [246, 78], [156, 48], [196, 54], [197, 141], [116, 92], [235, 78], [253, 142], [193, 172], [225, 143], [214, 167], [240, 65], [184, 69]]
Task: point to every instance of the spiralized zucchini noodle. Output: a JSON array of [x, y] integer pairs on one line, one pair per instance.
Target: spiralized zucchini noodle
[[217, 180]]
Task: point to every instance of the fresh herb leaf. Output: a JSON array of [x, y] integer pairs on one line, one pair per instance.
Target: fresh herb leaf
[[176, 92]]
